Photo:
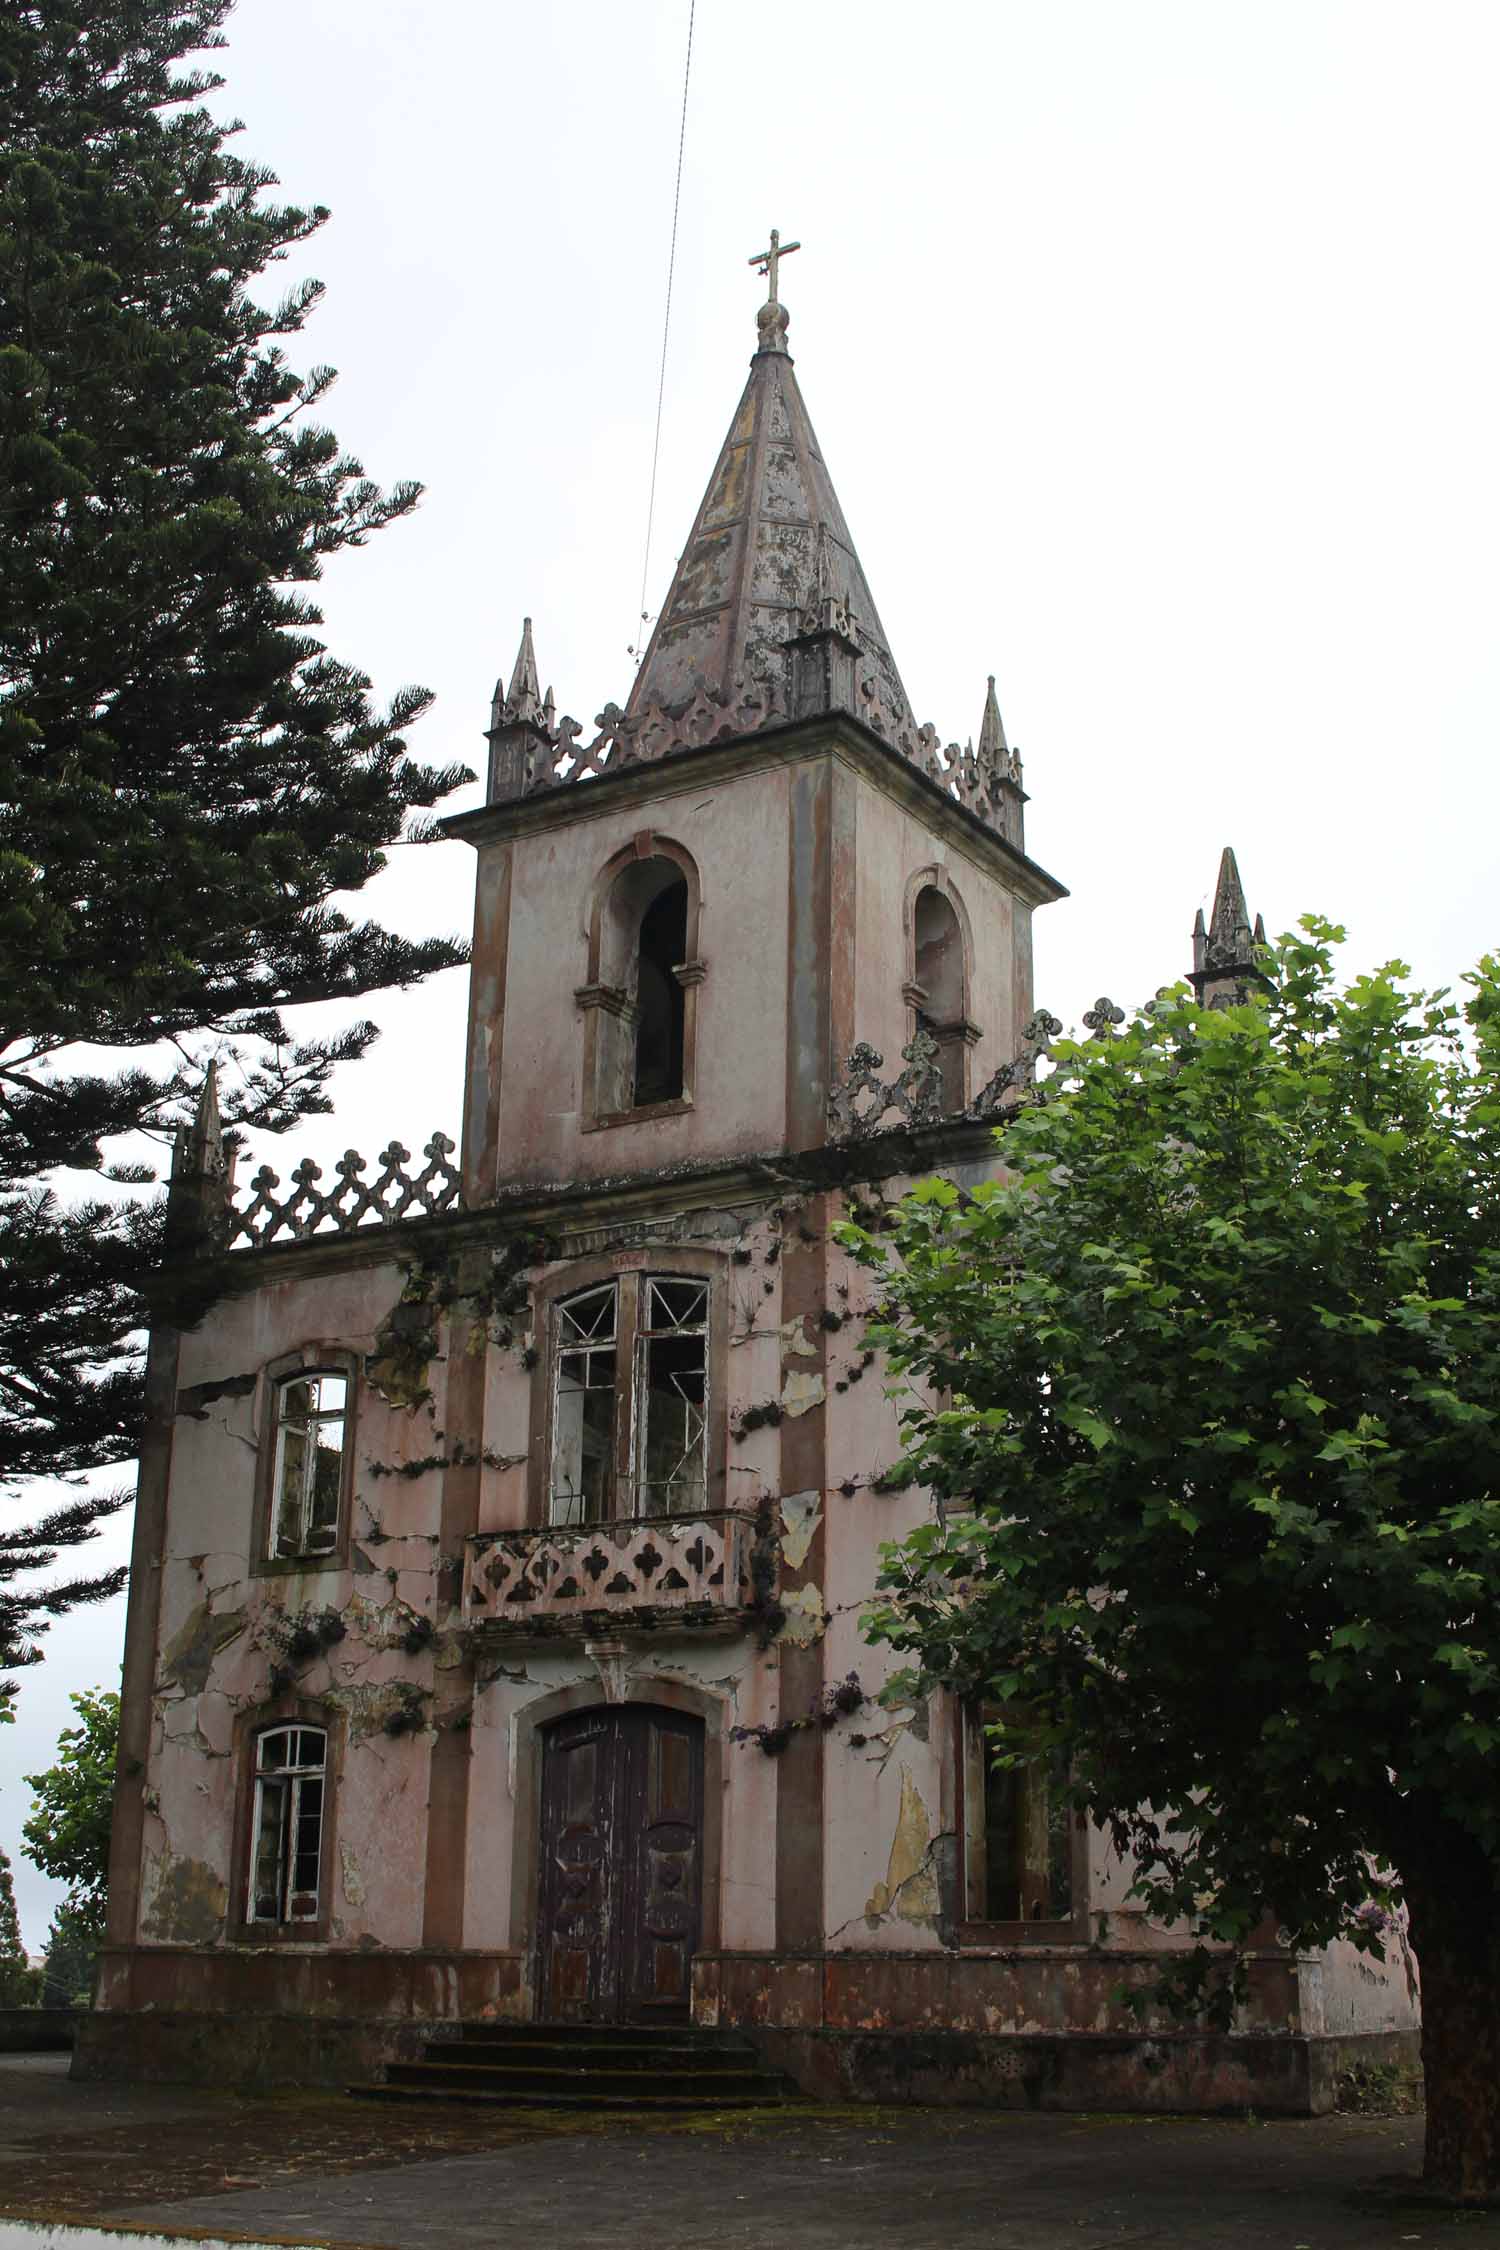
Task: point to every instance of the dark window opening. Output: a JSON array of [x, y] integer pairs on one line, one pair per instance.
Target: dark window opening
[[659, 997], [1020, 1830]]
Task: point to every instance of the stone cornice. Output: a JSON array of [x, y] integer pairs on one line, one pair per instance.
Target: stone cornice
[[836, 735], [575, 1208]]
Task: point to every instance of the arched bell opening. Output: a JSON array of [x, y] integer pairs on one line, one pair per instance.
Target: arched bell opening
[[938, 990], [640, 1000]]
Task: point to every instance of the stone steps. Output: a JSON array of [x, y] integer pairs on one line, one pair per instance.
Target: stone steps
[[587, 2066]]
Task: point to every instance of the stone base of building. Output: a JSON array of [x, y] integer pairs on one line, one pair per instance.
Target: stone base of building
[[1027, 2027], [1289, 2076], [1035, 2027], [37, 2031], [258, 2017], [253, 2054]]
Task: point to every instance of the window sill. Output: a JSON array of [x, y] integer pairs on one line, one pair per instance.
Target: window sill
[[641, 1116], [1007, 1936], [283, 1566], [313, 1935]]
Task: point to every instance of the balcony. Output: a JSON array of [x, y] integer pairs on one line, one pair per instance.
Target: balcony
[[709, 1572]]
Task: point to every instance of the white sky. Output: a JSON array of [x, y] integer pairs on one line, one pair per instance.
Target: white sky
[[1153, 352]]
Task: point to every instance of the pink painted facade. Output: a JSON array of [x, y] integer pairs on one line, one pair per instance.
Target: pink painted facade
[[412, 1536]]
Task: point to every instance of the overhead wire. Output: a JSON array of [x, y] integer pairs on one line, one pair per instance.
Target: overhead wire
[[666, 328]]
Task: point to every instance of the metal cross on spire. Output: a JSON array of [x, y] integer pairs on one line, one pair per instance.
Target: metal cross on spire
[[767, 261]]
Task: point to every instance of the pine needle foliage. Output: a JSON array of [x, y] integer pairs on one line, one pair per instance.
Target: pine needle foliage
[[191, 785]]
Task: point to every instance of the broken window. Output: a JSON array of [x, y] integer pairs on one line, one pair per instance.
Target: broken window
[[583, 1420], [286, 1833], [638, 1447], [671, 1396], [307, 1478], [1021, 1830]]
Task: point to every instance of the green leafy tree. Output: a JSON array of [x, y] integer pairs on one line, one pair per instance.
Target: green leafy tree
[[17, 1980], [187, 779], [70, 1960], [67, 1832], [1216, 1457]]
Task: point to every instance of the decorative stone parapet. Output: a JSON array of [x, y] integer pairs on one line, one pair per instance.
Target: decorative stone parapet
[[683, 1570], [861, 1102], [306, 1210], [546, 752]]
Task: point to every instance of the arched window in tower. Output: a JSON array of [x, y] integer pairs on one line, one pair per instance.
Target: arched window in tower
[[640, 1000], [659, 998], [937, 992]]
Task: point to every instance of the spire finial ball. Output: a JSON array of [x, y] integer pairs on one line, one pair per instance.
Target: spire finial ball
[[772, 321]]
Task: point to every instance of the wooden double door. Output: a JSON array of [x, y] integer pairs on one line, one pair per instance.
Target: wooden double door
[[620, 1896]]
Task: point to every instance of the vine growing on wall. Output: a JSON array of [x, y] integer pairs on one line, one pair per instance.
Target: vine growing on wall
[[436, 1289], [841, 1700]]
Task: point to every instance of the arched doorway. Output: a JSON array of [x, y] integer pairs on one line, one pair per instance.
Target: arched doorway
[[620, 1889]]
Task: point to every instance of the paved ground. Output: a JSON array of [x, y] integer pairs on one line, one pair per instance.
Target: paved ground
[[404, 2178]]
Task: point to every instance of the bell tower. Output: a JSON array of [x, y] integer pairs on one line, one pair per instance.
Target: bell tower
[[686, 920]]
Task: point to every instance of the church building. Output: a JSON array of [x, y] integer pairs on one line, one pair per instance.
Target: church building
[[494, 1654]]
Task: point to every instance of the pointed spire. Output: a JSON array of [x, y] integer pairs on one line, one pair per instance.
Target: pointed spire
[[198, 1193], [519, 721], [1230, 915], [769, 545], [1224, 956], [198, 1148], [524, 702], [207, 1128], [992, 743], [825, 591]]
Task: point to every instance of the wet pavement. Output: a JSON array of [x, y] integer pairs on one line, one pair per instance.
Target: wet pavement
[[330, 2170]]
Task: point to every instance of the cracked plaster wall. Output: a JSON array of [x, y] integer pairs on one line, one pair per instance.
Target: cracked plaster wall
[[221, 1625], [888, 1793], [888, 1783], [872, 1791], [223, 1628], [1343, 1990], [730, 829]]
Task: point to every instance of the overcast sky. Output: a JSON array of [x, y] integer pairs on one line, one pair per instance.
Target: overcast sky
[[1153, 352]]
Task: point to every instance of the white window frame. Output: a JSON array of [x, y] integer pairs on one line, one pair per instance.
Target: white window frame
[[590, 1340], [655, 1322], [313, 1540], [281, 1797], [642, 1317]]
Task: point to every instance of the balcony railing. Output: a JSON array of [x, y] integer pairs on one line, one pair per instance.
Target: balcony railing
[[679, 1571]]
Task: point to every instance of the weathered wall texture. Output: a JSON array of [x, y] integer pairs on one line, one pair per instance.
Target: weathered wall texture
[[734, 835], [831, 1830]]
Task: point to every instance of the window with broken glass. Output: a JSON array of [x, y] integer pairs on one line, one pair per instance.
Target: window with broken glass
[[286, 1835], [630, 1404], [307, 1478]]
